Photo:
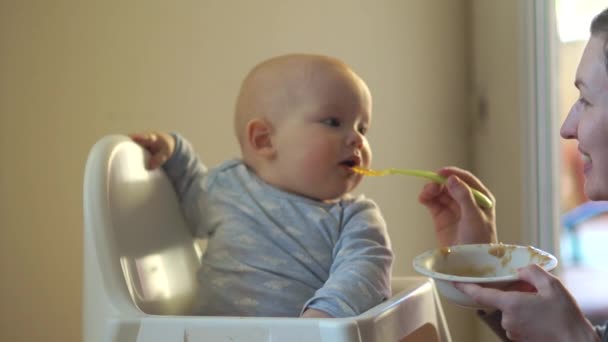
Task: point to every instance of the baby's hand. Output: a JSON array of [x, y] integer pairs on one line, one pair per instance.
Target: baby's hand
[[160, 145]]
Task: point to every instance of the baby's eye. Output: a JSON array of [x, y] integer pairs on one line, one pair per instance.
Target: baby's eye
[[584, 102], [333, 122]]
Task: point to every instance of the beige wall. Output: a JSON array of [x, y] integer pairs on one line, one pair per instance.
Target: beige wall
[[569, 55], [73, 71], [497, 64]]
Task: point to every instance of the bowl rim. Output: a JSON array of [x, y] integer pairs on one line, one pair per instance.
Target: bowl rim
[[418, 264]]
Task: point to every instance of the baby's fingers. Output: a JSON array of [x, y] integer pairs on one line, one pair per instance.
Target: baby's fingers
[[144, 139], [156, 160]]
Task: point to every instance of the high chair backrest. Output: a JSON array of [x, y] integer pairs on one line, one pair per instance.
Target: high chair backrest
[[139, 244]]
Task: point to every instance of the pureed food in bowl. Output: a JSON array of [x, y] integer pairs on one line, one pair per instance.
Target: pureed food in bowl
[[493, 265], [482, 261]]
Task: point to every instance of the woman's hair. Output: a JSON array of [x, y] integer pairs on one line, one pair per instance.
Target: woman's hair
[[599, 27]]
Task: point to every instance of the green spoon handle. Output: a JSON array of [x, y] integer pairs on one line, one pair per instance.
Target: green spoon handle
[[480, 198]]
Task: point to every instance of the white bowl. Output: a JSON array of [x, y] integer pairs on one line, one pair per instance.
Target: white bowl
[[489, 265]]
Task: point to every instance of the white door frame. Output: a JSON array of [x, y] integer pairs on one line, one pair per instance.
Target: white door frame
[[540, 148]]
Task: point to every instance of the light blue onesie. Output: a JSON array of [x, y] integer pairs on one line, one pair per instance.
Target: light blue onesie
[[273, 253]]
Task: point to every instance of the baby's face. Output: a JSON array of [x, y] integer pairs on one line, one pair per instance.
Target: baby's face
[[322, 136]]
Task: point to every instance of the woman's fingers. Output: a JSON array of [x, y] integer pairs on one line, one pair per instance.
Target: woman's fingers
[[468, 178], [521, 286], [462, 194], [539, 278], [429, 192], [494, 298], [482, 295]]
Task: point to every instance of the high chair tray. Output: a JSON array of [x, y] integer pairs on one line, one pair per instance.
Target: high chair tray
[[412, 314]]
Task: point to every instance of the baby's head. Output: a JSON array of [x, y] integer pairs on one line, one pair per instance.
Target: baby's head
[[301, 122]]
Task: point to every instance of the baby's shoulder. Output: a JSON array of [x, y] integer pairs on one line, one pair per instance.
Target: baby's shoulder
[[225, 171], [359, 201], [361, 207]]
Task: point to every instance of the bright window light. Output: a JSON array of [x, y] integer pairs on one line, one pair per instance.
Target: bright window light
[[574, 18]]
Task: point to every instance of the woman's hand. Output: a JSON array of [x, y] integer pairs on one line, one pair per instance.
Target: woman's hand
[[549, 314], [160, 145], [457, 217]]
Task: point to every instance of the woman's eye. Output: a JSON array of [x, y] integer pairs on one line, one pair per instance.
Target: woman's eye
[[333, 122], [362, 130]]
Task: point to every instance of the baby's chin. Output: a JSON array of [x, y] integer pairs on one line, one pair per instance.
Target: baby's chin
[[327, 196], [340, 196]]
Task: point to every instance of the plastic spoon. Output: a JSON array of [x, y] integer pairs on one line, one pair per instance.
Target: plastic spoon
[[480, 198]]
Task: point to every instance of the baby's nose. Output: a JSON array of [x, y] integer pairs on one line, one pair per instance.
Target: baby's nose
[[355, 139]]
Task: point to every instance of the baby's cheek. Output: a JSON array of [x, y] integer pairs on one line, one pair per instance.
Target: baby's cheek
[[367, 154], [322, 153], [311, 167], [356, 183]]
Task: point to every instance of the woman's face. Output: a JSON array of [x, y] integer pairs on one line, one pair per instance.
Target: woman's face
[[587, 121]]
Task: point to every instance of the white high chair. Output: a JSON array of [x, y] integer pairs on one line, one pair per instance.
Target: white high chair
[[140, 263]]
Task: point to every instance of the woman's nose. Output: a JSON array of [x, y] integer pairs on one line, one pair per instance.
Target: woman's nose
[[570, 125]]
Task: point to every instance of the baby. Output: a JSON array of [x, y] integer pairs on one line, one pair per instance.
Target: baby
[[285, 238]]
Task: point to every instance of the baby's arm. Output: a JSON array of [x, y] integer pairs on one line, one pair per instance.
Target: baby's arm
[[360, 273], [314, 313], [184, 170]]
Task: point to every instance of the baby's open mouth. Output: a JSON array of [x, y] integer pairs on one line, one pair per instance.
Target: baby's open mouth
[[351, 162]]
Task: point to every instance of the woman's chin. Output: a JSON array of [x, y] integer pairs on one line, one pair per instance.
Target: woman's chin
[[596, 192]]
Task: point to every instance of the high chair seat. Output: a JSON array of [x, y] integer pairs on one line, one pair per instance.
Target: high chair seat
[[140, 263]]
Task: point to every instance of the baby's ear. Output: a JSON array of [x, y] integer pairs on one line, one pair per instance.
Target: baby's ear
[[259, 137]]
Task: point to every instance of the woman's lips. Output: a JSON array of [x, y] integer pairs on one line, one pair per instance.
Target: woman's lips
[[587, 164]]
